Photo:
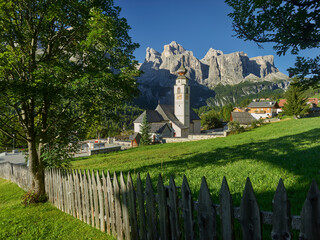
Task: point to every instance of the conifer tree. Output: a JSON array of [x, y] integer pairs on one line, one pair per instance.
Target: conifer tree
[[145, 131], [296, 104]]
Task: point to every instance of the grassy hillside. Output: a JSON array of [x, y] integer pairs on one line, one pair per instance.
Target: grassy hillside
[[41, 221], [289, 150]]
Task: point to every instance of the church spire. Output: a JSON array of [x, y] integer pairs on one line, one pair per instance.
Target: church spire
[[182, 71]]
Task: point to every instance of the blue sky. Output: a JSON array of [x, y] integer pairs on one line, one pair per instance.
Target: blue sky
[[196, 25]]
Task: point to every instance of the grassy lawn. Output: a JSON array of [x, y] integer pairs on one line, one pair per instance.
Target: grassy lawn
[[289, 150], [41, 221]]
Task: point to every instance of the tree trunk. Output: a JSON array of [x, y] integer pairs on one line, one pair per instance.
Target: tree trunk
[[36, 169]]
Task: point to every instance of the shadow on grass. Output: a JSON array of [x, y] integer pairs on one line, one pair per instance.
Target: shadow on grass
[[297, 154]]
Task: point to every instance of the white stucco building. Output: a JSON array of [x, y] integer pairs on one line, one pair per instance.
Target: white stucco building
[[180, 117]]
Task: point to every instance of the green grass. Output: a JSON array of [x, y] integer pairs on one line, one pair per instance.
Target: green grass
[[39, 221], [289, 150]]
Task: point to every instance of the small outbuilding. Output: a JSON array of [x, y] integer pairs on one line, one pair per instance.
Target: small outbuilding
[[244, 118], [135, 139]]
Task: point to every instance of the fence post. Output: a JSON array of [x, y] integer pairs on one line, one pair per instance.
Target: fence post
[[125, 207], [250, 214], [140, 198], [174, 210], [226, 212], [163, 210], [117, 206], [281, 214], [187, 209], [132, 208], [206, 213]]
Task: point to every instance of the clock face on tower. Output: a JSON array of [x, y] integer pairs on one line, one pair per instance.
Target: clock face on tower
[[179, 96]]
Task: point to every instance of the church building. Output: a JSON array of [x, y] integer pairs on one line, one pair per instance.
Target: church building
[[180, 117]]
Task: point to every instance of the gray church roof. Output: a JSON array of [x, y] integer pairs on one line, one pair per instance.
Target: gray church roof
[[158, 127], [244, 118], [152, 116]]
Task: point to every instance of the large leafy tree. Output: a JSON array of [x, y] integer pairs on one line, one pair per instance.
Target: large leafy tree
[[59, 62], [296, 104], [290, 24]]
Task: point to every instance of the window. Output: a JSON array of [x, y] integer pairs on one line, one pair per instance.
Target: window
[[179, 90], [187, 90]]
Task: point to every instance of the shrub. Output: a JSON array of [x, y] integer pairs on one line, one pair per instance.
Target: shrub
[[31, 197]]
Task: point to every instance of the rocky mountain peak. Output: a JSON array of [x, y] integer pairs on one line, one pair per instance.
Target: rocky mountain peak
[[211, 53], [152, 55], [172, 49]]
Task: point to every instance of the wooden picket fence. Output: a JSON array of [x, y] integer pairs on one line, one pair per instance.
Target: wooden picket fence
[[129, 212]]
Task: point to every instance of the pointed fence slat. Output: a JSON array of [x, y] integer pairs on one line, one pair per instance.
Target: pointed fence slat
[[91, 199], [163, 210], [281, 214], [78, 195], [111, 205], [187, 209], [250, 214], [117, 206], [132, 208], [101, 203], [174, 210], [226, 212], [65, 192], [125, 208], [151, 217], [86, 198], [310, 215], [106, 203], [82, 197], [142, 216], [95, 200], [206, 213], [71, 184]]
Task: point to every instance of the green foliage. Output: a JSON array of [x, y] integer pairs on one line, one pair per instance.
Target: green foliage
[[235, 127], [296, 104], [226, 112], [111, 123], [60, 61], [289, 24], [145, 132], [237, 94], [31, 197], [39, 221], [211, 120]]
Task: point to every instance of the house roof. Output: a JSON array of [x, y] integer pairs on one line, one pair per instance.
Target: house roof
[[243, 118], [263, 104], [158, 127], [152, 116], [282, 102], [134, 136]]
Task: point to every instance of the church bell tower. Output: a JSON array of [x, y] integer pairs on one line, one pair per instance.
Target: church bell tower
[[182, 97]]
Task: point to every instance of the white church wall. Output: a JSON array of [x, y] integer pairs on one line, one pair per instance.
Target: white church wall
[[137, 127]]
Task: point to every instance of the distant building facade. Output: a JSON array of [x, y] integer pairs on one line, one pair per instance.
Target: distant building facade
[[180, 118]]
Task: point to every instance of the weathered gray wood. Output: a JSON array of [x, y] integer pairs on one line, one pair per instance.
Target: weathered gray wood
[[71, 184], [117, 206], [81, 205], [86, 198], [106, 202], [64, 192], [68, 208], [226, 212], [91, 199], [206, 213], [250, 218], [101, 204], [132, 208], [111, 204], [163, 210], [281, 214], [142, 216], [151, 216], [125, 208], [187, 209], [60, 195], [174, 210], [79, 195], [95, 200], [310, 215]]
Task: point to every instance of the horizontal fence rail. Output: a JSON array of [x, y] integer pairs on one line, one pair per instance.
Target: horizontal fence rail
[[125, 211]]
